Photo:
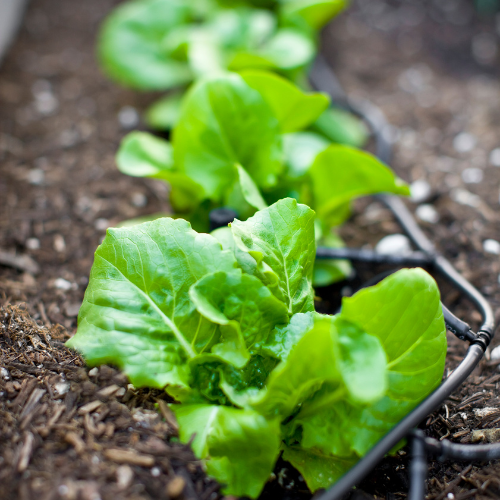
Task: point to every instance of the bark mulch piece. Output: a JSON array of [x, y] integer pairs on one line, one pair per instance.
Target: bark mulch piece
[[72, 433]]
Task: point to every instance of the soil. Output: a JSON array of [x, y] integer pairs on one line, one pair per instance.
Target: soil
[[67, 432]]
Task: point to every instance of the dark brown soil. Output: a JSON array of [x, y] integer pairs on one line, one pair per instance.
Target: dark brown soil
[[431, 67]]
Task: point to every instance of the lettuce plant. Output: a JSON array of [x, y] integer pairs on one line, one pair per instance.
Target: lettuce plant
[[163, 44], [225, 323], [242, 141], [168, 44]]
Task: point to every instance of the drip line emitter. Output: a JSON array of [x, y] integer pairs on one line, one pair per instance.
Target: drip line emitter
[[323, 78]]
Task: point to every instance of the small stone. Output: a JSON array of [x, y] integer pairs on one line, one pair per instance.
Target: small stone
[[94, 372], [155, 471], [62, 284], [472, 175], [59, 243], [124, 476], [101, 224], [175, 487], [139, 200], [36, 176], [491, 246], [62, 387], [32, 243], [420, 190], [464, 197], [464, 142], [485, 435], [427, 213], [128, 117], [495, 157], [72, 310], [394, 244], [4, 373]]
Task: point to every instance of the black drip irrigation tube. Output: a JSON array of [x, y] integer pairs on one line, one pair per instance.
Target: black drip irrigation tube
[[323, 78]]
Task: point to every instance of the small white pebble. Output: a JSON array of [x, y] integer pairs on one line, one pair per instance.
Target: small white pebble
[[128, 117], [491, 246], [464, 142], [101, 224], [62, 388], [427, 213], [63, 490], [155, 471], [62, 284], [95, 460], [420, 190], [36, 176], [124, 476], [32, 243], [464, 197], [450, 496], [59, 243], [472, 175], [495, 157], [4, 373], [139, 200], [394, 244], [121, 392], [93, 372]]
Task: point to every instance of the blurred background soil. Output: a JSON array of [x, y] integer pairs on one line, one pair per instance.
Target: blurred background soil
[[433, 67]]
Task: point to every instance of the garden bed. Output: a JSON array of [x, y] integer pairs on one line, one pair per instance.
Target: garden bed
[[60, 125]]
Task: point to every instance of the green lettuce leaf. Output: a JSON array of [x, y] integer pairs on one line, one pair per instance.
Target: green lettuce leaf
[[294, 109], [240, 446], [318, 469], [404, 313], [339, 174], [136, 311], [144, 155], [239, 301], [281, 241], [301, 149], [224, 123], [164, 113], [130, 44], [341, 127], [316, 13]]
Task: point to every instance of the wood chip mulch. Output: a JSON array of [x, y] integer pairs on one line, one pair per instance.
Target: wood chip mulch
[[72, 433]]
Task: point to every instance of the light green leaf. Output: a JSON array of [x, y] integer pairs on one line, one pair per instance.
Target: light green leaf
[[281, 240], [244, 197], [301, 150], [340, 174], [294, 108], [289, 49], [284, 338], [317, 469], [240, 301], [316, 13], [404, 313], [341, 127], [130, 44], [136, 311], [240, 446], [224, 123], [144, 155], [164, 113], [245, 261], [313, 361]]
